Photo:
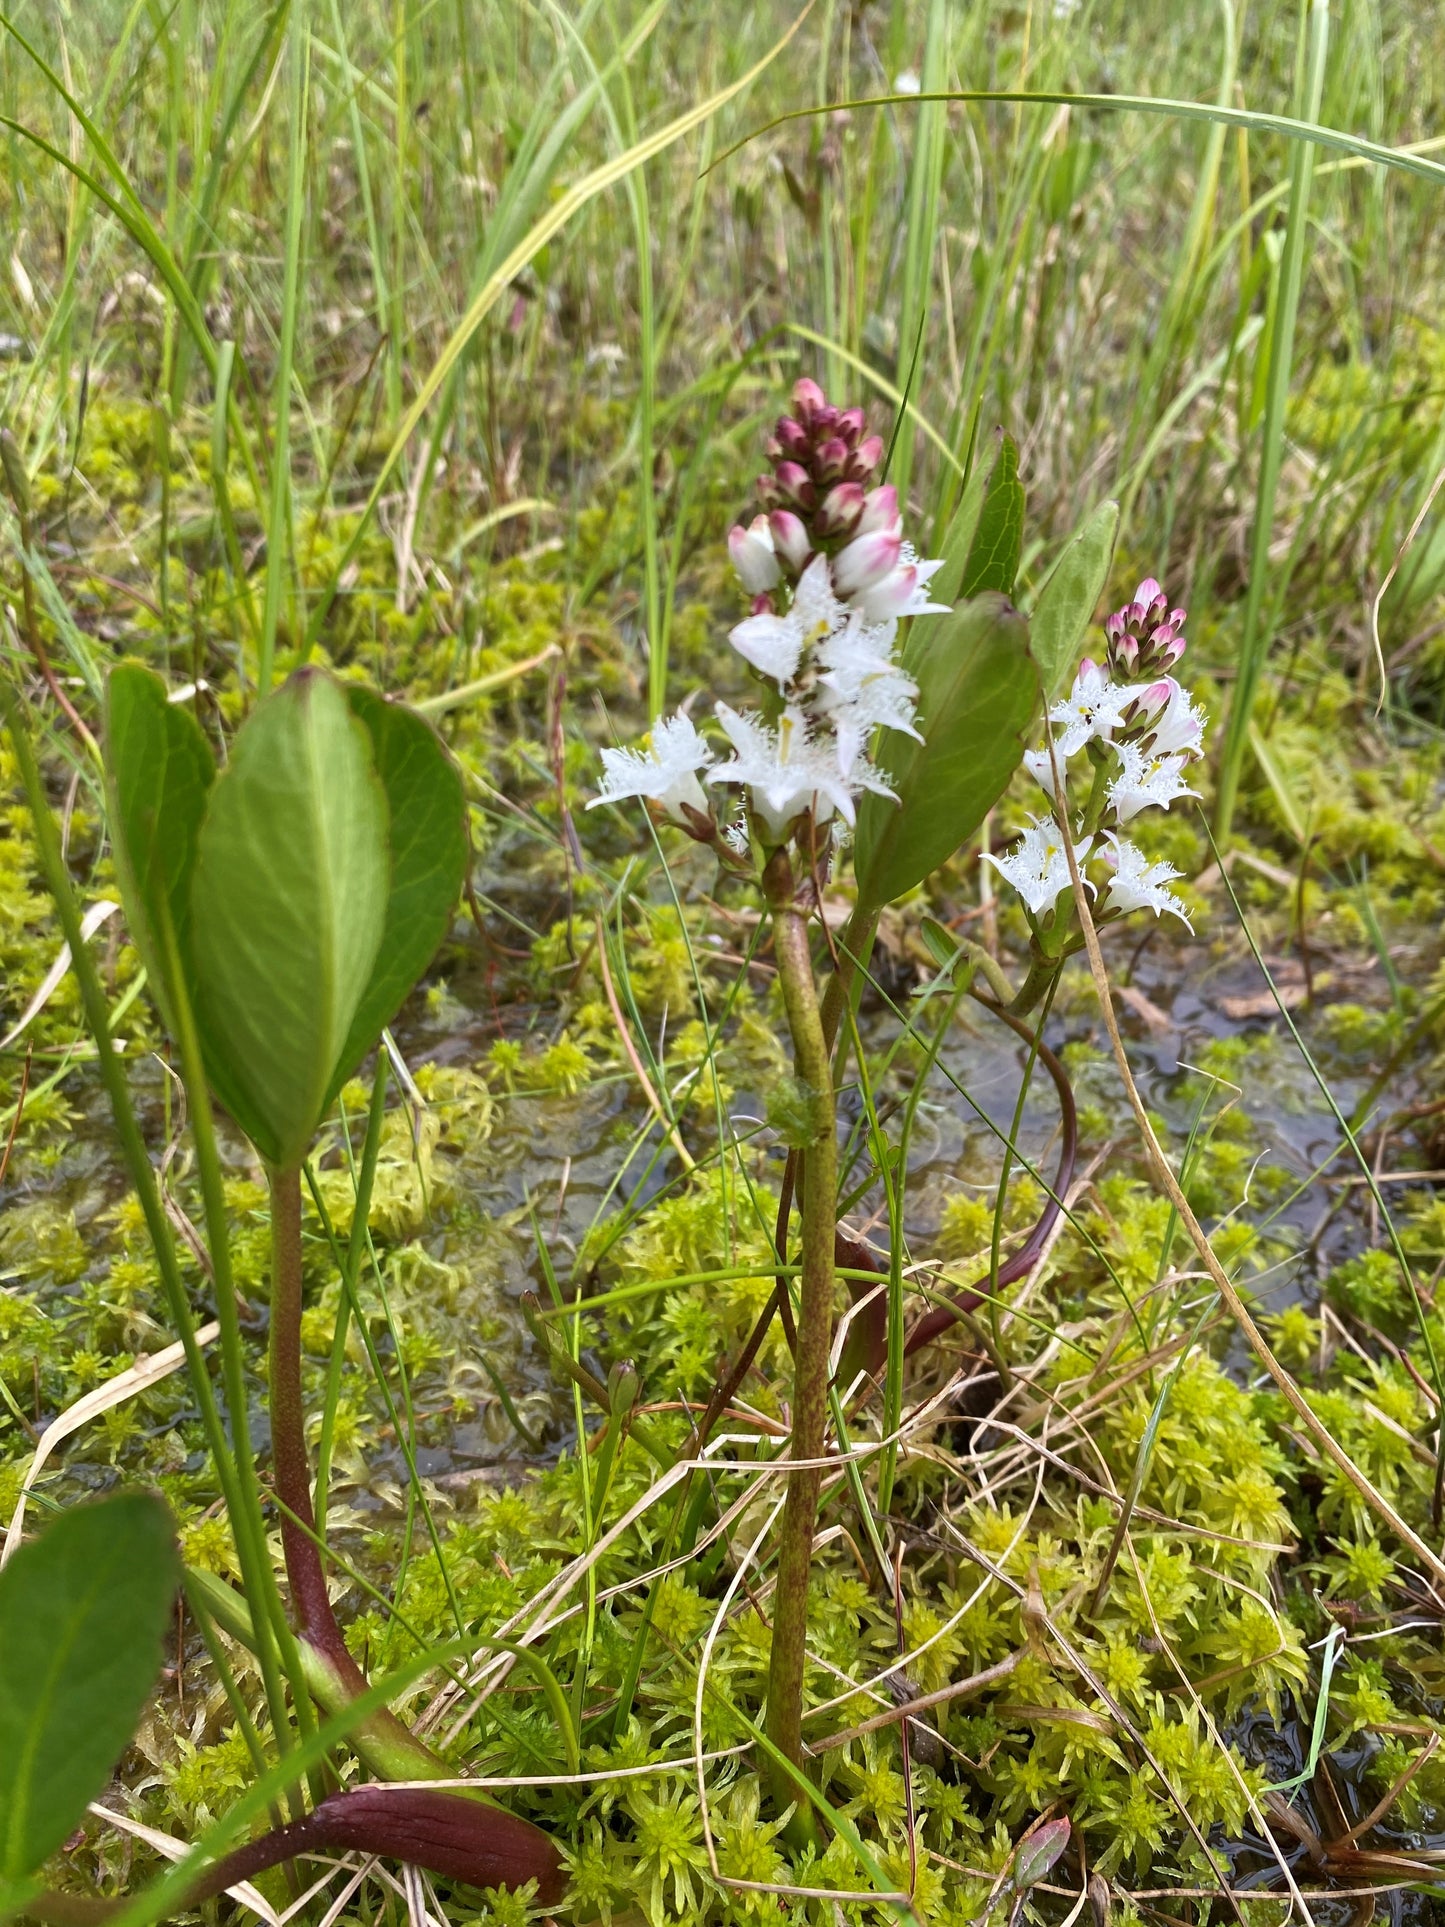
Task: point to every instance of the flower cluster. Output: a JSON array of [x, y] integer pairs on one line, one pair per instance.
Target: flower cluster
[[830, 577], [1140, 730]]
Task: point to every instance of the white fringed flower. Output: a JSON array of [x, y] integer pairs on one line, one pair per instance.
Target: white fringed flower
[[1146, 782], [1179, 729], [775, 644], [664, 773], [1090, 710], [861, 689], [1038, 864], [1138, 884], [785, 771]]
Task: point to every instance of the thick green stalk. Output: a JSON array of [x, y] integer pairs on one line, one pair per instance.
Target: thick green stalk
[[815, 1324]]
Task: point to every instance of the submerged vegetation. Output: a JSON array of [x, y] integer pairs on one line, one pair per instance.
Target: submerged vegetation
[[635, 1284]]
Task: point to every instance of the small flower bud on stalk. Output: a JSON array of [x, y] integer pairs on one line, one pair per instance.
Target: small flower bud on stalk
[[865, 459], [751, 549], [790, 540], [841, 510], [795, 485], [866, 560]]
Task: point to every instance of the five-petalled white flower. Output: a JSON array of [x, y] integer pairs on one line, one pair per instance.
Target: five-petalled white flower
[[1146, 782], [775, 644], [1138, 884], [786, 772], [1038, 864], [1090, 710], [664, 773]]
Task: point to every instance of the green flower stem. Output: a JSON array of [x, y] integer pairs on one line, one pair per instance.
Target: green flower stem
[[815, 1324], [385, 1742], [1043, 972]]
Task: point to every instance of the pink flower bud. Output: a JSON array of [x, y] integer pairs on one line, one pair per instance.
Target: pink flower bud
[[1147, 590], [829, 461], [773, 449], [808, 398], [866, 560], [840, 511], [880, 510], [851, 423], [865, 459], [790, 539], [795, 484], [1150, 702], [752, 552], [793, 440], [824, 422], [888, 599], [769, 494], [1123, 655]]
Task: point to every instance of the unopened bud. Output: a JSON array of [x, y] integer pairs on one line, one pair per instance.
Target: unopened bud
[[808, 398], [790, 540], [831, 459], [752, 555], [864, 460], [792, 440], [866, 560], [795, 484], [880, 511], [840, 511], [769, 494], [622, 1384], [850, 425]]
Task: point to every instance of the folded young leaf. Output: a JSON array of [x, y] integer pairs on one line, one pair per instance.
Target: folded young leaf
[[985, 538]]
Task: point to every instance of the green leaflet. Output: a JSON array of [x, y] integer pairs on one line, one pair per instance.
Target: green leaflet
[[300, 894], [429, 849], [159, 772], [1067, 600], [288, 906], [83, 1613], [978, 696]]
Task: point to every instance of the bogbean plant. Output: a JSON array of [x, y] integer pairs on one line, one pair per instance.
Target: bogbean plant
[[862, 732]]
